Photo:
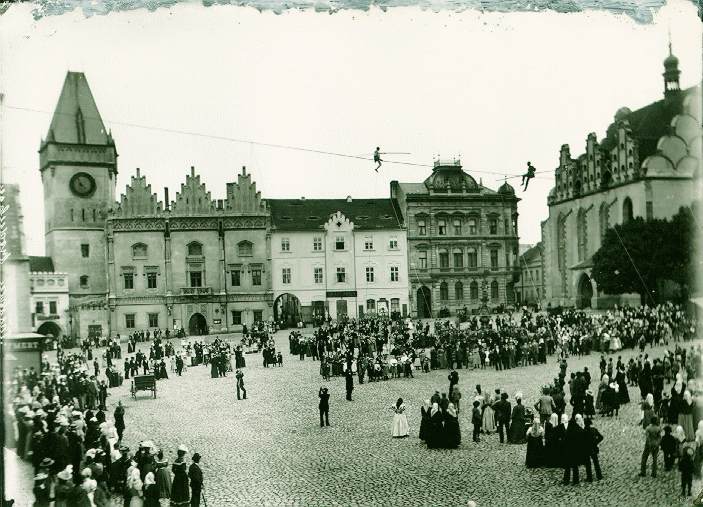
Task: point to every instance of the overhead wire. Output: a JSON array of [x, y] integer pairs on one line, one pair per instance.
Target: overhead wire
[[633, 264]]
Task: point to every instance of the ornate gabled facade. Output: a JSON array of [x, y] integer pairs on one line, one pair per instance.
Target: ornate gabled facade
[[462, 241], [646, 165]]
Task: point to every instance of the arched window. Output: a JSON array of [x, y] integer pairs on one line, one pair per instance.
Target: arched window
[[370, 305], [195, 249], [84, 281], [473, 258], [494, 289], [473, 290], [582, 234], [493, 225], [459, 291], [245, 248], [443, 291], [443, 259], [139, 251], [472, 226], [626, 210], [604, 219]]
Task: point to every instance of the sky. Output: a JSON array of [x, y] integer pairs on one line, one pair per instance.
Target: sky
[[495, 89]]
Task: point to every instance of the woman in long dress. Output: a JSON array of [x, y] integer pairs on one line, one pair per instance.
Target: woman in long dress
[[686, 416], [451, 428], [425, 419], [134, 485], [180, 493], [623, 395], [488, 419], [401, 429], [517, 422], [435, 430], [534, 456], [551, 441]]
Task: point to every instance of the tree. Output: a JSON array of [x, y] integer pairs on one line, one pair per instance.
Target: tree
[[641, 255]]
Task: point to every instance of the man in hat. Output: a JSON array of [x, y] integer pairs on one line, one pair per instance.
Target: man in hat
[[42, 490], [349, 383], [240, 385], [502, 415], [196, 481], [324, 406]]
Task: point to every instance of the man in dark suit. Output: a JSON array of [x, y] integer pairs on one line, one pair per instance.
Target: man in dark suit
[[349, 376], [196, 481], [453, 379], [502, 413], [324, 407], [240, 385]]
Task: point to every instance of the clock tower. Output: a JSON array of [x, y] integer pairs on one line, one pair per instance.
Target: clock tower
[[78, 166]]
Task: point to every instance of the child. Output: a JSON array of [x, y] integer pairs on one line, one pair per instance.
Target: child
[[686, 469], [669, 447], [476, 420], [279, 356]]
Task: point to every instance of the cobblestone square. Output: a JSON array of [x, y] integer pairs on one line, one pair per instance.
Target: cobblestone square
[[270, 450]]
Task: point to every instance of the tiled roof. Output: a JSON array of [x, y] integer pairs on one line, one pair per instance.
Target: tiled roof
[[41, 265], [650, 123], [531, 253], [312, 214]]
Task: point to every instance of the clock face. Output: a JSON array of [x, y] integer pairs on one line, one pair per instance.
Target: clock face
[[82, 184]]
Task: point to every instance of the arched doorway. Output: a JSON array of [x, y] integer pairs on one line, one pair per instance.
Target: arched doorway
[[584, 290], [197, 325], [286, 308], [52, 332], [424, 303], [627, 214]]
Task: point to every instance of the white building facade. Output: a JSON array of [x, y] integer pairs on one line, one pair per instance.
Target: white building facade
[[336, 257]]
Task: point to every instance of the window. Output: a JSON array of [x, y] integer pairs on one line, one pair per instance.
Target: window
[[151, 280], [473, 290], [196, 278], [442, 227], [317, 275], [236, 317], [236, 276], [245, 248], [494, 290], [286, 275], [85, 250], [258, 315], [370, 305], [494, 258], [129, 320], [39, 308], [195, 249], [393, 244], [317, 244], [457, 227], [341, 275], [256, 277], [650, 210], [369, 274], [458, 260], [443, 259], [128, 280], [285, 245], [395, 274], [443, 291], [153, 320], [421, 228], [472, 226], [459, 291], [422, 256], [368, 244], [84, 281], [139, 251], [52, 308], [493, 225], [627, 214], [339, 243], [395, 305], [473, 258]]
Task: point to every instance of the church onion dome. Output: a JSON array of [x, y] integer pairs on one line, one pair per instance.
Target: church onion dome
[[450, 177], [506, 189], [671, 62]]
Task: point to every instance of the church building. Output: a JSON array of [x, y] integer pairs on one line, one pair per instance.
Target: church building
[[644, 166]]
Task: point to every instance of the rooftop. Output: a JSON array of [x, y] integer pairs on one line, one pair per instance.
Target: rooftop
[[312, 214]]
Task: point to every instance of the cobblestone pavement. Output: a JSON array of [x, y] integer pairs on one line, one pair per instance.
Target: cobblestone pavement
[[270, 450]]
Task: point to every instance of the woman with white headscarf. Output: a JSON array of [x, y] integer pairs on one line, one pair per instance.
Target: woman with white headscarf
[[686, 415], [551, 441], [151, 491], [135, 488], [435, 430], [534, 457], [452, 432], [401, 429], [425, 419]]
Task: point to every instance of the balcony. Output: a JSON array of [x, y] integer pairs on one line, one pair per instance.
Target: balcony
[[196, 291], [42, 316]]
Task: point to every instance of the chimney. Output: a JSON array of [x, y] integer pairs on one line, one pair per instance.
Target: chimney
[[244, 170], [349, 199], [167, 203], [137, 172], [192, 171], [302, 198]]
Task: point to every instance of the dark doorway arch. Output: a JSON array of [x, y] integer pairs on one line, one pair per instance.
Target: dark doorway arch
[[424, 303], [197, 325], [584, 291], [286, 308], [50, 329], [627, 214]]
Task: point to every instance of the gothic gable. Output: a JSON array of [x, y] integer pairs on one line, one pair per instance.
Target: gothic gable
[[243, 196], [338, 222], [193, 197], [138, 200]]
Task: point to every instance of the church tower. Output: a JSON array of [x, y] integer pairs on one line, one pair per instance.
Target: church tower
[[78, 165]]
